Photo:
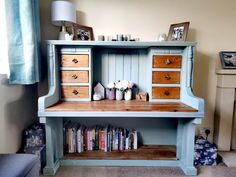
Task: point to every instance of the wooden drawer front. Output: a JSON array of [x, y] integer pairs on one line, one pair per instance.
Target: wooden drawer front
[[75, 60], [75, 91], [166, 61], [165, 77], [75, 76], [165, 92]]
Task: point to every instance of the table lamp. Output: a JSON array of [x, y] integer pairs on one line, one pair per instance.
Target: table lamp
[[63, 14]]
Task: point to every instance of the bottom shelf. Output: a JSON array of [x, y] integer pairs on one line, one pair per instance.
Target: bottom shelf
[[145, 152]]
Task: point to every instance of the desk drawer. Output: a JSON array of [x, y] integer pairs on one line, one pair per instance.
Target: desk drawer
[[75, 91], [165, 77], [165, 92], [166, 61], [75, 76], [75, 60]]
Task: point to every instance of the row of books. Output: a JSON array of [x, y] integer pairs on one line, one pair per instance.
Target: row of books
[[79, 138]]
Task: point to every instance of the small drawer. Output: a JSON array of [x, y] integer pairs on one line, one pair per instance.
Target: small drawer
[[75, 76], [75, 60], [166, 61], [165, 77], [75, 92], [165, 92]]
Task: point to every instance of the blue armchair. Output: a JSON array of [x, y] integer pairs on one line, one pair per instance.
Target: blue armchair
[[19, 165]]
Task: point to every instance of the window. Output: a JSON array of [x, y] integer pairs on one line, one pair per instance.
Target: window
[[4, 66]]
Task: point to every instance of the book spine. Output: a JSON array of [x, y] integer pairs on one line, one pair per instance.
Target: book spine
[[124, 139], [105, 139], [101, 139], [82, 139], [120, 140], [113, 139], [89, 140], [108, 142], [85, 139], [135, 139], [93, 139], [74, 139], [79, 141], [97, 138], [69, 140], [116, 140]]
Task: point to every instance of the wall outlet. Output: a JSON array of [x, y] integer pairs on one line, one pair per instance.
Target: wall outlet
[[205, 132]]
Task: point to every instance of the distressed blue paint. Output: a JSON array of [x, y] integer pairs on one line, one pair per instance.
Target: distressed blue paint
[[105, 70], [135, 68], [147, 163], [134, 60], [127, 67]]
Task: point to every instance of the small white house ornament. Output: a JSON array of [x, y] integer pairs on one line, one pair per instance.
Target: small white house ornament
[[100, 90]]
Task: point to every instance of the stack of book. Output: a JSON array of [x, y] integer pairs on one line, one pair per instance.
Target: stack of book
[[78, 138]]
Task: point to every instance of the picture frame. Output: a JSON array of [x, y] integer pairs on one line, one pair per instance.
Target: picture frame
[[83, 33], [178, 31], [228, 59]]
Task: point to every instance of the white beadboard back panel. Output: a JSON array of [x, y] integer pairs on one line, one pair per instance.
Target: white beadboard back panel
[[113, 65]]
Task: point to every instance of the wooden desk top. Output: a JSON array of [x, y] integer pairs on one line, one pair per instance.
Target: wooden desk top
[[120, 106]]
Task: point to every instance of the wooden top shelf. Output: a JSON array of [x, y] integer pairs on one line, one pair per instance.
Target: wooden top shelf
[[122, 44], [145, 152], [120, 106]]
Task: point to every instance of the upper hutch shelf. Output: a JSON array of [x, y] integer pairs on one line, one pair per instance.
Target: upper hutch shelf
[[122, 44]]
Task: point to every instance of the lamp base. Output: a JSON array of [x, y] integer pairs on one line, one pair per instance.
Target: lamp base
[[63, 35]]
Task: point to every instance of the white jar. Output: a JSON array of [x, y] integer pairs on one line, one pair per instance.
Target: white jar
[[128, 94], [119, 95]]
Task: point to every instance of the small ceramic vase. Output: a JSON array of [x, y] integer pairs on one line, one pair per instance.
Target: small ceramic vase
[[128, 94], [119, 95], [111, 94], [162, 37]]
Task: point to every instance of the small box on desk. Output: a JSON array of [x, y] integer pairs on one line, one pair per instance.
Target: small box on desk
[[40, 151], [141, 96]]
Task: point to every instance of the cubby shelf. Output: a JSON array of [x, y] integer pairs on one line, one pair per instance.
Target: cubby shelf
[[145, 152]]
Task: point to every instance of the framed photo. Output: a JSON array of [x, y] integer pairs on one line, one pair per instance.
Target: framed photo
[[84, 33], [228, 59], [178, 32]]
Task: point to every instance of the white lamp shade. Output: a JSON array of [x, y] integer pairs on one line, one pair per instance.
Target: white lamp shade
[[62, 11]]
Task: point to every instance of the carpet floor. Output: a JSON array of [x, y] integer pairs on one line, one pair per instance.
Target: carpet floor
[[206, 171]]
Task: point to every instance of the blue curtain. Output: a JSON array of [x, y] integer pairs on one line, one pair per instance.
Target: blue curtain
[[23, 40]]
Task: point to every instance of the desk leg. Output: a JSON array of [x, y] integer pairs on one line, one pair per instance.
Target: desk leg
[[185, 146], [54, 130]]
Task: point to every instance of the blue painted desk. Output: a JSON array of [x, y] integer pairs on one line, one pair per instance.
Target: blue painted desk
[[162, 69]]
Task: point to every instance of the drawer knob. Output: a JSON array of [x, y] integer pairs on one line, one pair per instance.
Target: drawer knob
[[75, 60], [167, 61], [75, 92], [166, 93], [74, 76], [167, 77]]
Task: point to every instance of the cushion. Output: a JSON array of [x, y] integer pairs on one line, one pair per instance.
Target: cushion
[[205, 152]]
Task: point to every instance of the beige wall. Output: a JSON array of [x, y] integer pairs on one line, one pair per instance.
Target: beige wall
[[212, 26], [18, 109]]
